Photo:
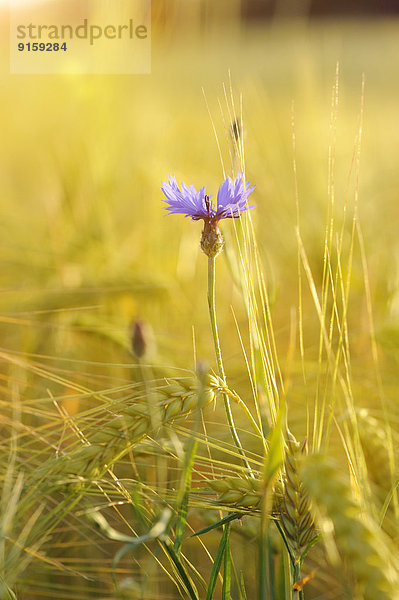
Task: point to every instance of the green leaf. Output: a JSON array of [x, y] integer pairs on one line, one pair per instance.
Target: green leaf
[[6, 592], [218, 562], [158, 530], [180, 568], [242, 587], [227, 572], [185, 485], [275, 456], [219, 523]]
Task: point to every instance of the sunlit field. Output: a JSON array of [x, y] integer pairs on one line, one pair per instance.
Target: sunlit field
[[116, 441]]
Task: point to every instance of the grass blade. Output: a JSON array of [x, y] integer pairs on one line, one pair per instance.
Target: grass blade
[[218, 562], [227, 572], [219, 523], [180, 568]]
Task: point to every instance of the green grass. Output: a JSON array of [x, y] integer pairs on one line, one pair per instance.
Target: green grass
[[86, 249]]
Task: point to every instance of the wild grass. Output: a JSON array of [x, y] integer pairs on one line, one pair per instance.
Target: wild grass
[[120, 476]]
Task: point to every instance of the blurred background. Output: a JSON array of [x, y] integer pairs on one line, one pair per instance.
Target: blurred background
[[87, 249], [83, 157]]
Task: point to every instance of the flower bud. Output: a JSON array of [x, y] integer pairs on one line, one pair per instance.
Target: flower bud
[[212, 241], [139, 341]]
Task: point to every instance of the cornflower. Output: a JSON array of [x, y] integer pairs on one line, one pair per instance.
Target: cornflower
[[232, 200]]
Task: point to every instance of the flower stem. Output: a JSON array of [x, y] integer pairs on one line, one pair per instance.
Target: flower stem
[[297, 594], [218, 352]]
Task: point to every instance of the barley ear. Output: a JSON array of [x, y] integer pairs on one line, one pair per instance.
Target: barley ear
[[239, 492], [294, 505], [373, 439], [359, 541], [118, 435]]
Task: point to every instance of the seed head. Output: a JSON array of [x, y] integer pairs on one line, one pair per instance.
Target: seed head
[[139, 341]]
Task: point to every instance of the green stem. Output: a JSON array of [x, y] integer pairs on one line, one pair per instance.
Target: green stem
[[222, 374], [297, 595]]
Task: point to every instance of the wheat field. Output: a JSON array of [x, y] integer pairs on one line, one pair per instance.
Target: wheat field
[[121, 476]]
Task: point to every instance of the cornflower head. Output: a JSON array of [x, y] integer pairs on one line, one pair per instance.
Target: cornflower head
[[231, 202]]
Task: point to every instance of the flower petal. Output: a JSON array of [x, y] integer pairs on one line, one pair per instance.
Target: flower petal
[[232, 197], [186, 201]]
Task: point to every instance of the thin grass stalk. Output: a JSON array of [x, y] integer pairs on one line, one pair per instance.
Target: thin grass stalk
[[155, 420], [219, 360], [185, 484]]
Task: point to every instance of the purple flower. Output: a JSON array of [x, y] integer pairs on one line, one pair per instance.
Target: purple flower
[[231, 200]]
